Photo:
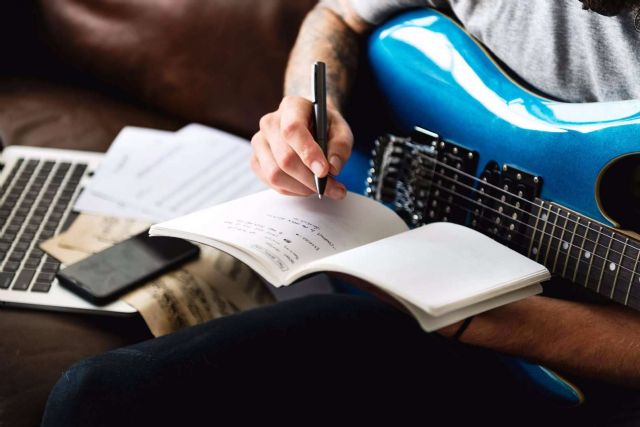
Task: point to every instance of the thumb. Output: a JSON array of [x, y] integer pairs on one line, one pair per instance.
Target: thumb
[[340, 143]]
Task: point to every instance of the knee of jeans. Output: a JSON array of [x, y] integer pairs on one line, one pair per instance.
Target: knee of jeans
[[76, 381], [79, 390]]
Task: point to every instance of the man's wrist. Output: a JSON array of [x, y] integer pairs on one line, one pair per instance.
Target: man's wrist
[[450, 331]]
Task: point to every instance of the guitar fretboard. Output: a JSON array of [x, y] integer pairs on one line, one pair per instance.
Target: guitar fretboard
[[585, 252]]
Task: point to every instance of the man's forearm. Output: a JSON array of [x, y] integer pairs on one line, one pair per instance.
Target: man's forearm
[[329, 33], [595, 341]]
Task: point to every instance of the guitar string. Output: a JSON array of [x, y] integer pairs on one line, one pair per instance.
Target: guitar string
[[612, 294], [542, 232], [578, 259], [474, 178], [550, 211], [507, 193]]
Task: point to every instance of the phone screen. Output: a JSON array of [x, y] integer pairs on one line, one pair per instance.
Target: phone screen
[[104, 276]]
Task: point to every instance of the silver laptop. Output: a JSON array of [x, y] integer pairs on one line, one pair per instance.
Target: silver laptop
[[38, 187]]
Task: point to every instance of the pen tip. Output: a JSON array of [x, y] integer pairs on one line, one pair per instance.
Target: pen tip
[[319, 196]]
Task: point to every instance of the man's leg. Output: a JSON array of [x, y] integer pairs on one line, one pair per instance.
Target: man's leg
[[308, 359]]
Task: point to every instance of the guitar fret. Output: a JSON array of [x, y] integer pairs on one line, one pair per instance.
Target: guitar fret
[[595, 245], [605, 259], [625, 273], [620, 267], [545, 218], [633, 274], [579, 258], [551, 235], [561, 242], [534, 229], [570, 248]]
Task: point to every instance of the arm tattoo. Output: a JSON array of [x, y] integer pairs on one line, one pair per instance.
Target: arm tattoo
[[324, 36]]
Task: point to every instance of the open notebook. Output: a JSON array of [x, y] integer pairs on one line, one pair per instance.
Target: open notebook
[[440, 272]]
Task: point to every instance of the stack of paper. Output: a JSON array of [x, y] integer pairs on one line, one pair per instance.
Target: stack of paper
[[157, 175]]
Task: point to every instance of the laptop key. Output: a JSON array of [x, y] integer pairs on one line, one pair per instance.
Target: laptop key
[[50, 267], [32, 263], [16, 256], [44, 277], [27, 236], [41, 287], [50, 226], [55, 217], [11, 267], [36, 253], [12, 229], [23, 280], [31, 228], [5, 280], [22, 246], [45, 235], [18, 219]]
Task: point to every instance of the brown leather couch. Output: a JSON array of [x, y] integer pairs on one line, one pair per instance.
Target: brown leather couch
[[73, 73]]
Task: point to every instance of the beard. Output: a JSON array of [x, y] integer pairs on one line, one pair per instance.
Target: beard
[[610, 7]]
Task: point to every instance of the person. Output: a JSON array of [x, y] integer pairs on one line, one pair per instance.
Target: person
[[588, 57], [344, 357]]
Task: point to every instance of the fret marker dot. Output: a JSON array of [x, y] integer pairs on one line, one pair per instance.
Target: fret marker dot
[[612, 266], [544, 217], [587, 255], [534, 251], [565, 245]]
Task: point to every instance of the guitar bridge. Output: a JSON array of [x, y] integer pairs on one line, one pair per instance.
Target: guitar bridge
[[423, 177]]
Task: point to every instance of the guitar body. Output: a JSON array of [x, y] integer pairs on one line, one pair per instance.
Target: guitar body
[[434, 75], [583, 157]]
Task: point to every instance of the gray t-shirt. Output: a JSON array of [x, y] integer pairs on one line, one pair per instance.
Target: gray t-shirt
[[566, 52]]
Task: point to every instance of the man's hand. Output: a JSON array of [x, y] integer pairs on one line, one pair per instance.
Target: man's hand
[[285, 155]]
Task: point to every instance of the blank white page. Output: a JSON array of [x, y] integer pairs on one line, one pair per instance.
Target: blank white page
[[439, 267]]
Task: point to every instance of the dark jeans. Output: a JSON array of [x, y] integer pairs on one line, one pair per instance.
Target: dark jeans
[[323, 359]]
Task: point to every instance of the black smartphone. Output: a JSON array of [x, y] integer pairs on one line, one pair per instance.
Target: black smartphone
[[104, 276]]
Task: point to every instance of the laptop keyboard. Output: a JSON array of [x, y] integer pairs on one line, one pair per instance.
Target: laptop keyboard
[[35, 204]]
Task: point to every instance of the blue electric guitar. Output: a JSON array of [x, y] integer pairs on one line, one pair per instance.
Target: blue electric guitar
[[555, 181]]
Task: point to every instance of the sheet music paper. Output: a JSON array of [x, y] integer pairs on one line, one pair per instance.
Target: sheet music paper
[[128, 152], [157, 175]]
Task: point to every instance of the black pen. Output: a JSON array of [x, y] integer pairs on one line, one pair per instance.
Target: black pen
[[320, 117]]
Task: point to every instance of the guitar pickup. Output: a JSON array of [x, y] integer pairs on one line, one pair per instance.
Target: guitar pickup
[[452, 178], [502, 202], [520, 183]]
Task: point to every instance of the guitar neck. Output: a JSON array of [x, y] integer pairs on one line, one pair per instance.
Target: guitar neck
[[584, 251]]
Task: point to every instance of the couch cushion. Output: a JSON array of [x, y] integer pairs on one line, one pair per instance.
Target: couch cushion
[[219, 62]]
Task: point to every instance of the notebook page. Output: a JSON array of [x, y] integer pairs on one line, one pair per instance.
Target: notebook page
[[286, 233], [439, 267], [432, 323]]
